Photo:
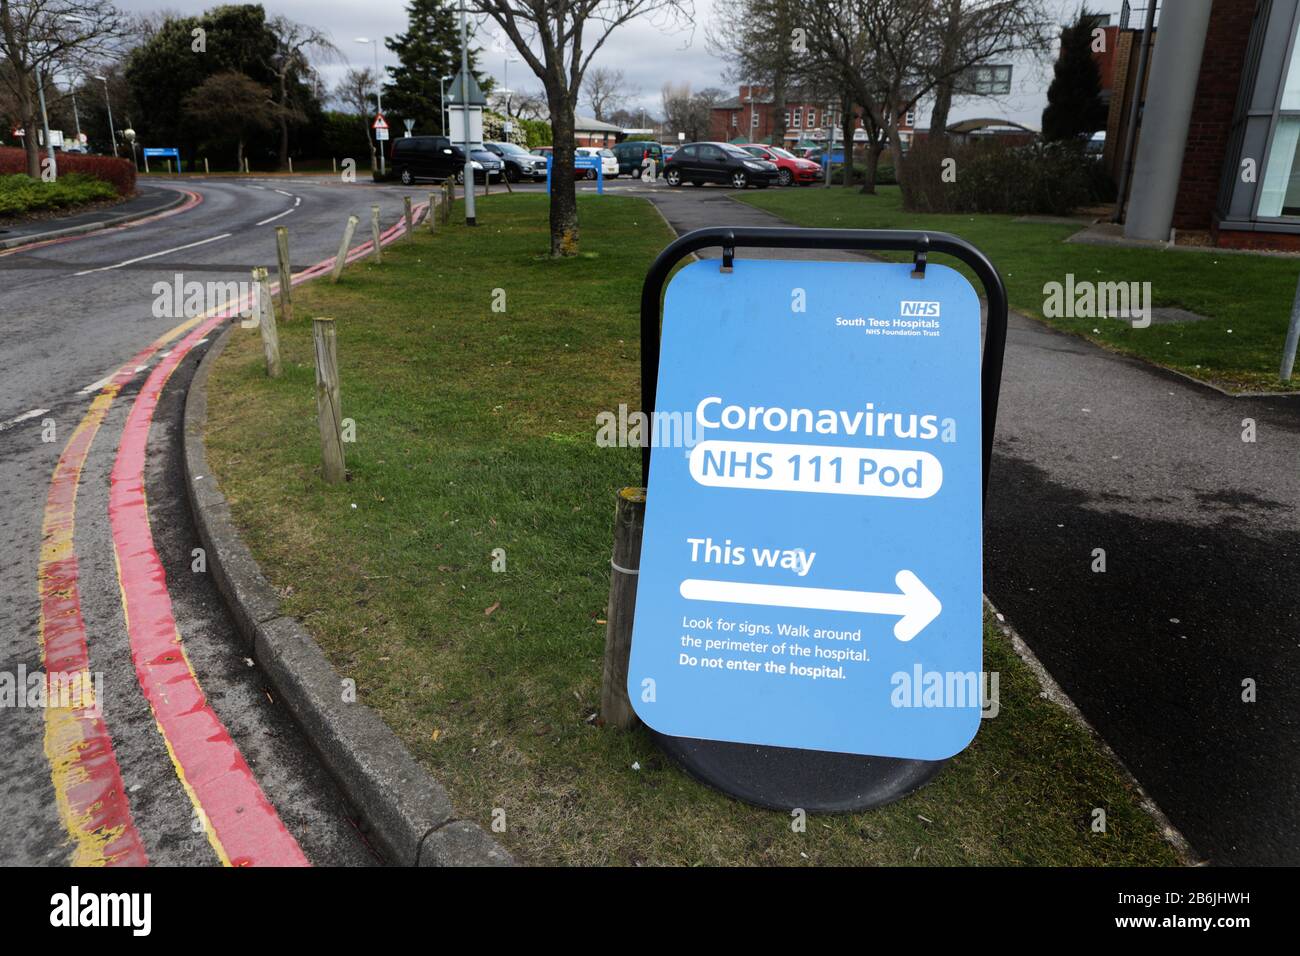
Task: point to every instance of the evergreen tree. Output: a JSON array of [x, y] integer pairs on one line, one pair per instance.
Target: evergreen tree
[[428, 50], [1074, 105]]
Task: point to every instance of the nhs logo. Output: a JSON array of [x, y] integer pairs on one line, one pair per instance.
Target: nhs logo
[[928, 310]]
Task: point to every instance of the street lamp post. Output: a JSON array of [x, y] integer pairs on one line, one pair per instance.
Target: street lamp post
[[379, 96], [442, 99], [470, 219], [45, 120], [109, 103], [505, 82]]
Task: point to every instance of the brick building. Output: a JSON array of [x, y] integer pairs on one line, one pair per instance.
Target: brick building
[[749, 117], [1218, 143]]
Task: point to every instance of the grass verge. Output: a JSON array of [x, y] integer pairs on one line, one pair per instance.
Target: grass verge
[[1246, 297], [475, 431], [21, 195]]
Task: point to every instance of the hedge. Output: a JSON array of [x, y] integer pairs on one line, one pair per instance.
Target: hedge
[[118, 173], [20, 194]]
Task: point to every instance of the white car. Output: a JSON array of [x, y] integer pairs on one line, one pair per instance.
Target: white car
[[608, 161]]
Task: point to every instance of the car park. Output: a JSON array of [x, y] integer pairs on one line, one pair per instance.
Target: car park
[[518, 163], [700, 163], [609, 166], [633, 154], [415, 158], [790, 168]]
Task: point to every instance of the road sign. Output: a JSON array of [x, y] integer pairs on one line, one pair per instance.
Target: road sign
[[580, 161], [381, 133], [379, 123], [409, 124], [811, 569]]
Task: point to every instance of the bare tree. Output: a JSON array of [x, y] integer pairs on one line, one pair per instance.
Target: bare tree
[[687, 112], [294, 43], [892, 54], [528, 105], [38, 37], [354, 93], [557, 39], [607, 90], [761, 41]]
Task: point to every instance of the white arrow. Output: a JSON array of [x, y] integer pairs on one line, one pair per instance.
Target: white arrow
[[915, 605]]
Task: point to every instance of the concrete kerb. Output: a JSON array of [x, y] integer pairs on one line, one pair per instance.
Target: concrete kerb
[[401, 808], [20, 241]]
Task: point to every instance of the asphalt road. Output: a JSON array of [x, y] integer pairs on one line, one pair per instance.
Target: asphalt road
[[71, 313], [1201, 534]]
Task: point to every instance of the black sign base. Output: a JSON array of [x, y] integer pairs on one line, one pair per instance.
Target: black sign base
[[782, 778]]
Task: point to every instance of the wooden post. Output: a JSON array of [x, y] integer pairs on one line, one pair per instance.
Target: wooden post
[[206, 171], [449, 192], [410, 225], [378, 251], [286, 272], [487, 183], [290, 165], [334, 162], [625, 565], [329, 412], [341, 259], [434, 211], [266, 322]]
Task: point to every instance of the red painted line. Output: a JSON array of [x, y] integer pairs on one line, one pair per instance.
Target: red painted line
[[241, 823], [193, 200], [85, 773]]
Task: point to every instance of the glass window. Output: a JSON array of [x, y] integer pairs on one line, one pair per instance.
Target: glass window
[[753, 119], [1280, 195], [798, 117]]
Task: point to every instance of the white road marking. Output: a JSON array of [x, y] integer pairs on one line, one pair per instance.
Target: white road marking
[[22, 418], [275, 217], [96, 386], [153, 255]]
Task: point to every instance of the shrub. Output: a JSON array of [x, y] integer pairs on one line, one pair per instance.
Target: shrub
[[1039, 178], [119, 173], [19, 193]]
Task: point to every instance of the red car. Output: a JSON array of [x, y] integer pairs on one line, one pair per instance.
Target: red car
[[790, 168]]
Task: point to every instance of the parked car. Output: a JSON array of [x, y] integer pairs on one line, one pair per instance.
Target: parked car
[[436, 157], [608, 161], [669, 149], [519, 163], [542, 151], [632, 155], [700, 163], [1095, 144], [790, 169]]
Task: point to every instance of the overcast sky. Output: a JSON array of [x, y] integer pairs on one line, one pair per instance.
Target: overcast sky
[[649, 53]]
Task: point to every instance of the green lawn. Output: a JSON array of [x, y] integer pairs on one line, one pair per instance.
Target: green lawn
[[476, 431], [21, 195], [1247, 297]]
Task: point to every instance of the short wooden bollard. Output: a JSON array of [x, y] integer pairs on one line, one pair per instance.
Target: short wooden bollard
[[449, 196], [291, 165], [377, 250], [205, 166], [329, 412], [266, 322], [334, 163], [342, 258], [286, 272], [410, 223], [625, 566], [435, 210]]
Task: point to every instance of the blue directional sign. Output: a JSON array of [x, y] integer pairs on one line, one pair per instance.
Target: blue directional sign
[[811, 571]]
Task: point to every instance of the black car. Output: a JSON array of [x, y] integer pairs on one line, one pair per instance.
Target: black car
[[437, 157], [700, 163], [519, 163]]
